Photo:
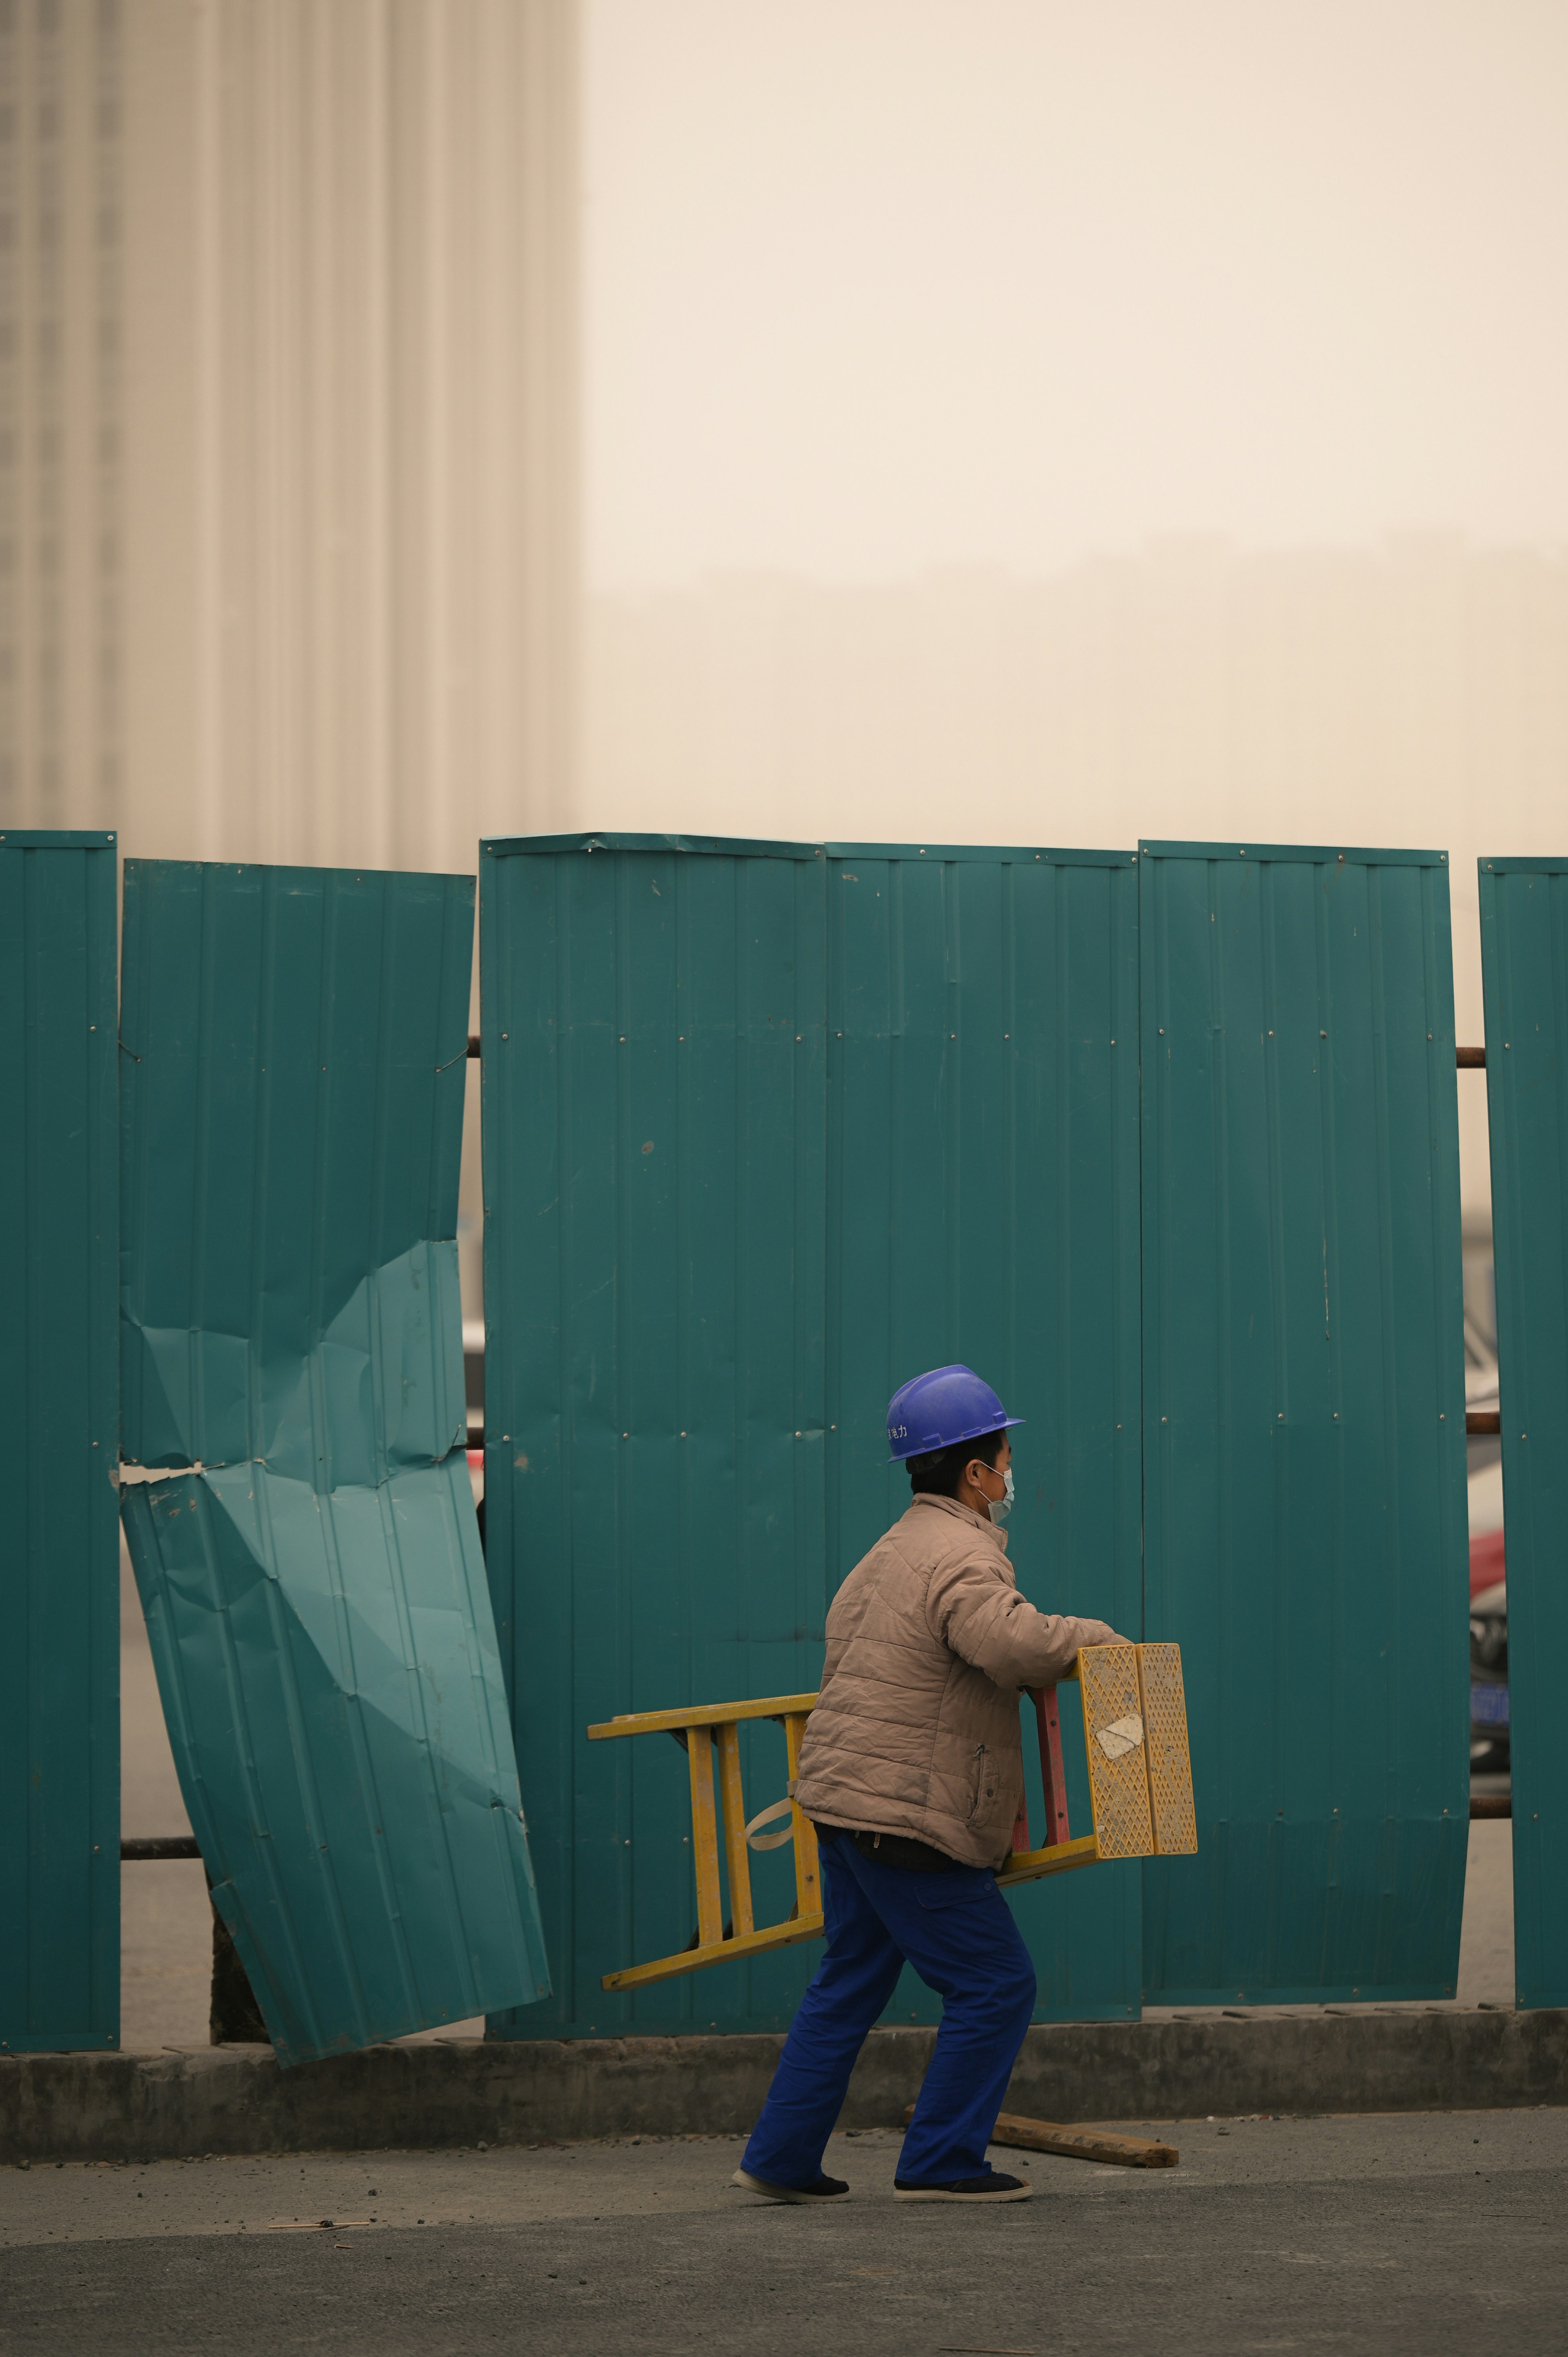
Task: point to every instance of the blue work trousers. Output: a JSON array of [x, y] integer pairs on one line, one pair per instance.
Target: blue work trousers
[[958, 1932]]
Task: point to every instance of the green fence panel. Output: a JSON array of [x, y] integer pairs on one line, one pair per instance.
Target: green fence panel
[[60, 1686], [739, 1183], [654, 1131], [1305, 1527], [983, 1157], [296, 1045], [1524, 963]]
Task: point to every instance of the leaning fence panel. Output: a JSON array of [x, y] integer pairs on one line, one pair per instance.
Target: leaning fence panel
[[310, 1567]]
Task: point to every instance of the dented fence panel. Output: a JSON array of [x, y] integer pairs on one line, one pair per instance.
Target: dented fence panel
[[59, 1736], [291, 1347]]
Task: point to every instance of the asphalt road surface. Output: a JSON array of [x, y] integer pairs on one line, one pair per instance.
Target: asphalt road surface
[[1421, 2234]]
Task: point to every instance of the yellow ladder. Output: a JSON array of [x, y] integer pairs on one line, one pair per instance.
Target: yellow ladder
[[1140, 1769], [704, 1728], [1140, 1783]]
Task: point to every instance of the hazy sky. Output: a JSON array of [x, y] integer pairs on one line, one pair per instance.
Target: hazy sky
[[875, 285]]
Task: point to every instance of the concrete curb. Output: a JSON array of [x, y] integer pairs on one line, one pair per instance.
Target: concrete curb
[[459, 2091]]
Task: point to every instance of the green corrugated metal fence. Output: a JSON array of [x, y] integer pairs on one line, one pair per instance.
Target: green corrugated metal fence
[[1524, 956], [60, 1715], [296, 1050], [766, 1130], [983, 1206], [1305, 1529], [654, 1137]]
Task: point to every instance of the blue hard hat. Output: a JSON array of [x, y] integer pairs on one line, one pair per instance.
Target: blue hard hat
[[934, 1411]]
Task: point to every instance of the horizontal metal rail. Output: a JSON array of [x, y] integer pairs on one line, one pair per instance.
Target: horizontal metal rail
[[158, 1845], [1468, 1059], [1478, 1421]]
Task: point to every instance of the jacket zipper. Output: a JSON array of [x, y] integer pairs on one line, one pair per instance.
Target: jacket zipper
[[979, 1778]]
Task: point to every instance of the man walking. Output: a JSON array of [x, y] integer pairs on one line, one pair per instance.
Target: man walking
[[912, 1772]]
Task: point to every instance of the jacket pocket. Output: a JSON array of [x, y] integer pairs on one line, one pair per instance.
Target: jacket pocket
[[981, 1782]]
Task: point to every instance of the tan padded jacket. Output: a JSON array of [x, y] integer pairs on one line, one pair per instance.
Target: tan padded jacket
[[916, 1729]]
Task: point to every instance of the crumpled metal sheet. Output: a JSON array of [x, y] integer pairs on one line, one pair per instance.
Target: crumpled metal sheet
[[291, 1338]]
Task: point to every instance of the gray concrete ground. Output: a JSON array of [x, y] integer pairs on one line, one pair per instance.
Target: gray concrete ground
[[1418, 2232]]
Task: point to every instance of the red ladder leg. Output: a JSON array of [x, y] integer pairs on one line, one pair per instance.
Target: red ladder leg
[[1053, 1775]]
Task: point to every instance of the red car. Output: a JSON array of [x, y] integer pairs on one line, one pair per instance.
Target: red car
[[1488, 1626]]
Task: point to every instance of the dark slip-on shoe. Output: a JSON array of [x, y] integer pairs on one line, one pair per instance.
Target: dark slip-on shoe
[[824, 2188], [992, 2185]]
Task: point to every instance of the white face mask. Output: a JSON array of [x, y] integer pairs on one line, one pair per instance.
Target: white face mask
[[1002, 1506]]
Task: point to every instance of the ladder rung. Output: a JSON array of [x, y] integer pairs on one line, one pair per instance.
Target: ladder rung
[[1028, 1864], [699, 1714], [718, 1952]]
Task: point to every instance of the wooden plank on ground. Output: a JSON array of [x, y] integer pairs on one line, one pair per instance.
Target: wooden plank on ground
[[1077, 2144], [1082, 2144]]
